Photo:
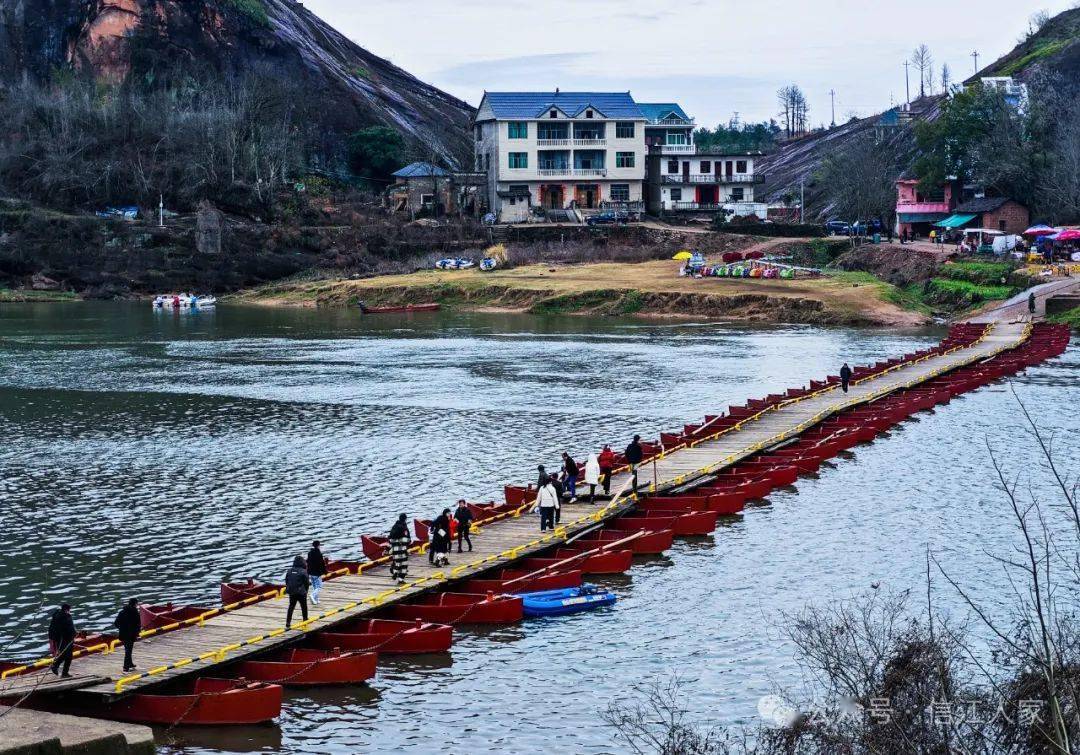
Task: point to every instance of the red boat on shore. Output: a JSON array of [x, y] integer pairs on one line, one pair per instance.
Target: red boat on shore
[[388, 636], [430, 307], [462, 608], [309, 667], [201, 702], [234, 592]]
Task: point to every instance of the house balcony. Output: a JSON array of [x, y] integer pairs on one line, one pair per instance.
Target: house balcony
[[568, 172], [564, 170], [699, 206], [552, 142], [590, 142], [677, 149], [710, 178], [671, 122], [590, 172], [922, 207]]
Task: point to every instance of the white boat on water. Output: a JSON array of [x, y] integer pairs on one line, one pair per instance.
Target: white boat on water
[[184, 301]]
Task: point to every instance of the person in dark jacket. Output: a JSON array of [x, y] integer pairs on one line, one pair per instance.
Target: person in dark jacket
[[634, 455], [297, 583], [560, 491], [464, 517], [62, 639], [845, 376], [541, 477], [1031, 303], [570, 468], [128, 625], [440, 539], [316, 568], [399, 549]]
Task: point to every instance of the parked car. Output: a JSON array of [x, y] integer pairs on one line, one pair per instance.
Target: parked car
[[838, 228], [607, 218]]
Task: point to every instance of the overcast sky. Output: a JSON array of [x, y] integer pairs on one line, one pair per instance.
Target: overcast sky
[[714, 58]]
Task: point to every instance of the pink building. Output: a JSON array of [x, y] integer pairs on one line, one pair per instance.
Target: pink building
[[917, 211]]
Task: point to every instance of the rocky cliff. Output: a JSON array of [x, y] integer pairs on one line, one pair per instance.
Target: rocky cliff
[[117, 39]]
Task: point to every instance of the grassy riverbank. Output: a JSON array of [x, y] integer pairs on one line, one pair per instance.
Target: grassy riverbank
[[8, 295], [647, 288]]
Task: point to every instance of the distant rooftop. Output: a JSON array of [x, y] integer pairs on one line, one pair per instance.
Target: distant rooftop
[[573, 104], [421, 170], [659, 111]]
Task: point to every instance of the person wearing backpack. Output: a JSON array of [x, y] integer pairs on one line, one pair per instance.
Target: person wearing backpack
[[297, 583]]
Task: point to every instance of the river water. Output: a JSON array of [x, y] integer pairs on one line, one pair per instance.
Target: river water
[[155, 454]]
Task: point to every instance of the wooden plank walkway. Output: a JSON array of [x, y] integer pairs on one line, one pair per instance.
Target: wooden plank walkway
[[253, 629]]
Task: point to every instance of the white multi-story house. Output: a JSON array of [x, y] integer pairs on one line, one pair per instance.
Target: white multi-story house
[[679, 177], [560, 150]]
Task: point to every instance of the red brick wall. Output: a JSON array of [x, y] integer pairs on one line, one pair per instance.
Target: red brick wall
[[1015, 216]]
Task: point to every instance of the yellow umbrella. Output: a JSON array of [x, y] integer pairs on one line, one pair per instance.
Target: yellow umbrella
[[683, 255]]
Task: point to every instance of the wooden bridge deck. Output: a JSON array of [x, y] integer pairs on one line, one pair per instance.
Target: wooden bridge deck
[[497, 544]]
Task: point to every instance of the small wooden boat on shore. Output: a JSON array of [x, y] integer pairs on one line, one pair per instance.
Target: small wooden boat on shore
[[388, 636], [201, 702], [564, 602], [462, 608], [234, 592], [309, 667], [430, 307], [156, 617]]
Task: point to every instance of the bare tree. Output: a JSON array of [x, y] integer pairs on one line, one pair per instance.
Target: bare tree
[[794, 109], [946, 78], [924, 64]]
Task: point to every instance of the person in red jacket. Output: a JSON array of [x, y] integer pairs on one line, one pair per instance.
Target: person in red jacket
[[607, 463]]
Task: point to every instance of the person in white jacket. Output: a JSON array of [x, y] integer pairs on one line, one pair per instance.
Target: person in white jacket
[[547, 502], [592, 476]]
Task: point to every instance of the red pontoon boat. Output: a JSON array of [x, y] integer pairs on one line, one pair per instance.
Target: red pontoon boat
[[463, 608], [234, 592], [156, 617], [307, 667], [388, 636], [202, 702], [374, 547], [520, 580]]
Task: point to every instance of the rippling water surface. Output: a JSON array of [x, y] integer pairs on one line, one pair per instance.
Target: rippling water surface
[[152, 454]]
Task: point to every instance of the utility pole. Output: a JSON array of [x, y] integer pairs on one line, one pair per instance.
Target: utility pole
[[907, 81], [975, 55], [832, 98], [802, 201], [161, 211]]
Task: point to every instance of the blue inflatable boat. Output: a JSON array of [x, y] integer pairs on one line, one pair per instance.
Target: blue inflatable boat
[[562, 602]]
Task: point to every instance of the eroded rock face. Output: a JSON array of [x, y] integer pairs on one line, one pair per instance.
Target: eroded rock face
[[116, 39]]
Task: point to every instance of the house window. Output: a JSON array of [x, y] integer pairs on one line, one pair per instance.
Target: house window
[[737, 194], [487, 161], [519, 160], [1001, 226], [676, 195], [588, 114], [517, 130], [672, 166], [620, 192], [427, 200], [553, 114], [677, 138], [706, 167], [740, 166], [479, 163], [479, 133], [624, 159], [624, 130], [519, 189]]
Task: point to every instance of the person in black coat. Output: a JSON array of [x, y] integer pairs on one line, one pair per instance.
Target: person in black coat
[[316, 568], [845, 377], [128, 625], [634, 455], [464, 517], [440, 539], [297, 583], [62, 639]]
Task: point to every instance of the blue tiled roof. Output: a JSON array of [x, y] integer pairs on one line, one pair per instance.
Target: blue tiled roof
[[417, 170], [534, 104], [654, 111]]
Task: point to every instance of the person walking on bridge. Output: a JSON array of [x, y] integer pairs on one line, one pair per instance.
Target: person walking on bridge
[[399, 549], [316, 568], [607, 464], [1031, 304], [62, 640], [592, 476], [634, 455], [570, 468], [547, 502], [128, 624], [845, 376], [464, 517], [440, 539], [297, 583]]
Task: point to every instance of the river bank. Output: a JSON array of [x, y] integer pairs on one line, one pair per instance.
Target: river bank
[[650, 289]]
